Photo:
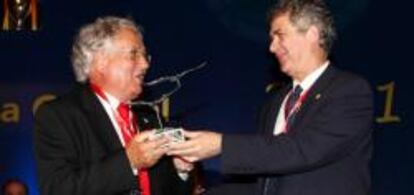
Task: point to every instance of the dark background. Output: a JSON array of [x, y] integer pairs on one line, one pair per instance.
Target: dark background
[[375, 40]]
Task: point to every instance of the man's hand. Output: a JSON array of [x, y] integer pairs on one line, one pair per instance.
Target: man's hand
[[144, 150], [182, 166], [200, 145]]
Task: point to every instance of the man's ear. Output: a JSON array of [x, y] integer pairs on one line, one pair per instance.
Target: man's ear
[[313, 34]]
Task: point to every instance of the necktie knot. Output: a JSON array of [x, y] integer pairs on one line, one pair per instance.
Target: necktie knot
[[297, 91], [123, 110], [292, 99]]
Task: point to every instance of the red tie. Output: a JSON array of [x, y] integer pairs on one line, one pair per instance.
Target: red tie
[[128, 131]]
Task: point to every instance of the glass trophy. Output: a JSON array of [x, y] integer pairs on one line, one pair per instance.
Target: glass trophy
[[174, 134]]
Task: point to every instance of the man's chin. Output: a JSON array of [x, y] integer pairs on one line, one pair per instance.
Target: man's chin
[[134, 94], [284, 68]]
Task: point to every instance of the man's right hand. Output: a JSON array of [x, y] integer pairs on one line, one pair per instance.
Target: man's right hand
[[144, 150], [198, 146]]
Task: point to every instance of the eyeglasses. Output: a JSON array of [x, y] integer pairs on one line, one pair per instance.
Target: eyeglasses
[[134, 54]]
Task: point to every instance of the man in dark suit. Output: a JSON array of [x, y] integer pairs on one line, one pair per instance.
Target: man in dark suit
[[315, 133], [90, 141]]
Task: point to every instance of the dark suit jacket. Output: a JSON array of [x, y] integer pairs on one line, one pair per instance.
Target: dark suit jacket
[[327, 150], [78, 151]]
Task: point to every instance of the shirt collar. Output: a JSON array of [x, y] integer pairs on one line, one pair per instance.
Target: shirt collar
[[312, 77], [112, 100]]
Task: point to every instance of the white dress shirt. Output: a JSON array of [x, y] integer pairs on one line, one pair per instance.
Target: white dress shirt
[[306, 84], [110, 107]]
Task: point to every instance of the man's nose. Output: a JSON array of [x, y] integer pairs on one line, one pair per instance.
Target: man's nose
[[144, 63], [274, 45]]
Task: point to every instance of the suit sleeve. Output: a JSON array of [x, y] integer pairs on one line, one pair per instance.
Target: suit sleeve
[[173, 183], [332, 129], [164, 176], [58, 159]]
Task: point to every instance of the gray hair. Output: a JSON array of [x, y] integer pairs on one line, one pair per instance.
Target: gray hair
[[95, 37], [305, 13]]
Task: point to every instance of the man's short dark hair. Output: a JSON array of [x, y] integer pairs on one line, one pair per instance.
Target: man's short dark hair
[[305, 13]]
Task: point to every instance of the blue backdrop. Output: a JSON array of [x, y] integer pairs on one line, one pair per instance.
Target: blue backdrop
[[375, 41]]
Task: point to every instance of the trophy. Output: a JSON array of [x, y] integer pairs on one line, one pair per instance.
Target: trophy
[[16, 14], [173, 134]]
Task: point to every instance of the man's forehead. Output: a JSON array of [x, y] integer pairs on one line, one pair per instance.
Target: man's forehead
[[276, 24], [281, 18], [131, 40], [280, 21]]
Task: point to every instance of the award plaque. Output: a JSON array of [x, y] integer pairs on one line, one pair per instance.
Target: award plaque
[[172, 134]]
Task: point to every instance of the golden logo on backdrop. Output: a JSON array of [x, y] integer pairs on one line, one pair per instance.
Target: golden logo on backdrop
[[20, 15]]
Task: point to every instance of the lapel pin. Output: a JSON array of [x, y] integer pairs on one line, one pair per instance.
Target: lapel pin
[[318, 96], [145, 120]]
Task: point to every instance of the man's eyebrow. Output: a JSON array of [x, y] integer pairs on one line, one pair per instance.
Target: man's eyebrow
[[274, 32]]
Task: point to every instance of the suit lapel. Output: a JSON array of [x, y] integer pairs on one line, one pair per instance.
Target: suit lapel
[[146, 117], [315, 93], [274, 107], [99, 120]]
